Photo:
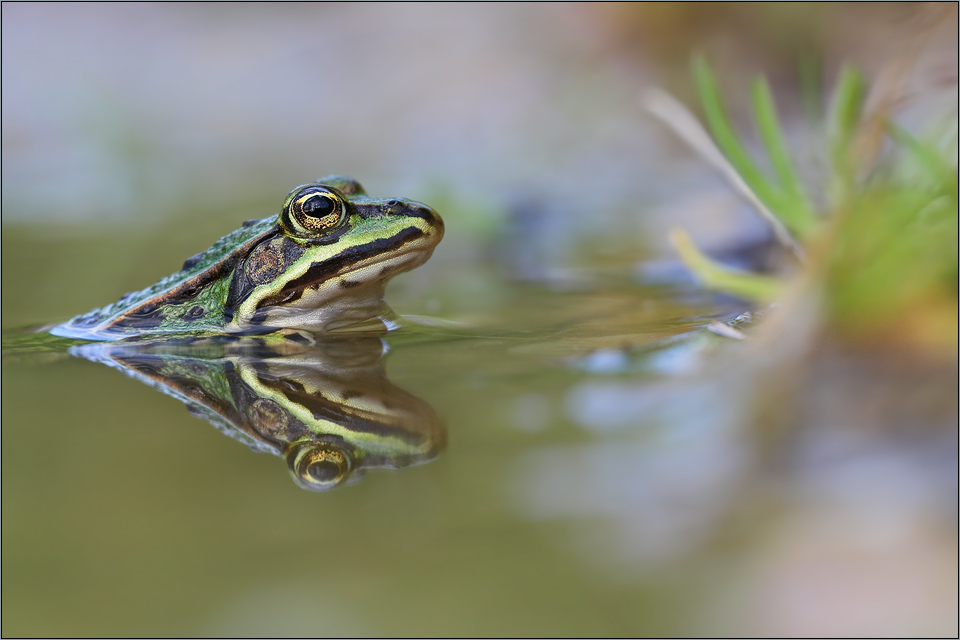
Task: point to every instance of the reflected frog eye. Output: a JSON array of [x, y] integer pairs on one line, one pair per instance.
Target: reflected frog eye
[[317, 466], [312, 211]]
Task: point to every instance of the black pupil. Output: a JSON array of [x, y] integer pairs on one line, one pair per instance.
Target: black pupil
[[324, 471], [318, 206]]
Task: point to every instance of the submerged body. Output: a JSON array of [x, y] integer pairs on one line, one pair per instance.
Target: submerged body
[[320, 264]]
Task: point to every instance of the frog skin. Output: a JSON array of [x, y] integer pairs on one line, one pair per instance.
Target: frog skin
[[320, 264], [323, 404]]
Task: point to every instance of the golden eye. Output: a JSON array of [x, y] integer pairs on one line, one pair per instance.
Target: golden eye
[[317, 466], [312, 211]]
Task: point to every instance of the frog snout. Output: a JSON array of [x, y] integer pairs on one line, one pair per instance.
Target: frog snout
[[422, 211]]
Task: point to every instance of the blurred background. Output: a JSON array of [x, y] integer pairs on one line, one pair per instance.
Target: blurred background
[[579, 495]]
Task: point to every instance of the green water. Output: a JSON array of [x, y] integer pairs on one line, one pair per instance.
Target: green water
[[124, 514], [604, 473]]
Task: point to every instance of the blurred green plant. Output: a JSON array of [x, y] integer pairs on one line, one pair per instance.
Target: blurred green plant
[[881, 246]]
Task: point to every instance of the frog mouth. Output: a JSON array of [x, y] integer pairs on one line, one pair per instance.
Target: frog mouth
[[355, 269], [384, 268]]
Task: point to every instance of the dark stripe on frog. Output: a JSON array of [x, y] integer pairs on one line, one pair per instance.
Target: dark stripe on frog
[[323, 409], [148, 310], [321, 271], [146, 316], [383, 208]]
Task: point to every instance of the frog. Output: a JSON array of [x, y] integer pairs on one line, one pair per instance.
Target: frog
[[320, 264]]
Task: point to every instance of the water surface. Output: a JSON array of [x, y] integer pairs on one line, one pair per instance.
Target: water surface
[[599, 477]]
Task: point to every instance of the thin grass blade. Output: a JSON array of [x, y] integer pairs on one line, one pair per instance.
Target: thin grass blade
[[728, 142], [798, 215]]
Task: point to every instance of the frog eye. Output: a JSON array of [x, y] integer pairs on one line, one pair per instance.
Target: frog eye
[[317, 466], [312, 211]]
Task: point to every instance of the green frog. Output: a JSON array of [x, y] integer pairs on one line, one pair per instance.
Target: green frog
[[320, 264]]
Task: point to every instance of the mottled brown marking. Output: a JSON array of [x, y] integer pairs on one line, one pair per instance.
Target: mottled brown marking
[[269, 418], [242, 284], [265, 262]]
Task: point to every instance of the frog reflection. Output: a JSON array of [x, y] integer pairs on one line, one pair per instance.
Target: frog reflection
[[326, 406]]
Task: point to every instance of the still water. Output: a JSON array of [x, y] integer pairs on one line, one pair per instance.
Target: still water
[[124, 514], [559, 458]]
